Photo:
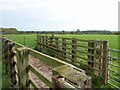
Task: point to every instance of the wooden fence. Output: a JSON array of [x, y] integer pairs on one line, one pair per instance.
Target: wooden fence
[[90, 55], [16, 58]]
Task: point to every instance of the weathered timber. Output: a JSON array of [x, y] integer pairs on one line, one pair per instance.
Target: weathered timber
[[23, 67], [11, 62], [74, 50], [77, 78], [34, 84], [64, 48], [105, 62], [40, 76]]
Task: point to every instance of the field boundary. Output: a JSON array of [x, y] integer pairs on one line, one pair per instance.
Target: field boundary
[[90, 55], [114, 68], [16, 57]]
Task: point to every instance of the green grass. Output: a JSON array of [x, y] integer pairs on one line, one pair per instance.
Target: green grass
[[112, 39], [30, 38], [5, 77]]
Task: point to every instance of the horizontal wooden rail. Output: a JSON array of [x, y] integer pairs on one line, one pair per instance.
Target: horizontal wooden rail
[[53, 62], [40, 76], [72, 38], [92, 48], [34, 85]]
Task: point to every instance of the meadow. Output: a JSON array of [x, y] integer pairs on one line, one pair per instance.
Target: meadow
[[30, 39]]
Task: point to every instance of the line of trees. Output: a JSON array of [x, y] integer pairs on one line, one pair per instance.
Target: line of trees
[[73, 32], [15, 31], [9, 30]]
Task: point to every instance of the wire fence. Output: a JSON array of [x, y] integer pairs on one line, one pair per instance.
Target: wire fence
[[114, 68]]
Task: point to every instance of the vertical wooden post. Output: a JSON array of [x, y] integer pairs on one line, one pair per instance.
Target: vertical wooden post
[[23, 67], [64, 48], [46, 40], [97, 60], [66, 77], [1, 62], [3, 48], [51, 45], [12, 64], [39, 42], [94, 63], [6, 54], [46, 43], [90, 58], [43, 42], [105, 62], [57, 46], [74, 50]]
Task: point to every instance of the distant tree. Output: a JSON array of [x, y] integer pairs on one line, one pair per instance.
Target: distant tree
[[78, 31], [9, 30], [63, 32]]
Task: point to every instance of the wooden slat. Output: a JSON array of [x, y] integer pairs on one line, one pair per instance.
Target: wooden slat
[[76, 39], [105, 62], [77, 45], [98, 56], [22, 60], [53, 62], [40, 76], [33, 83], [92, 48], [74, 50]]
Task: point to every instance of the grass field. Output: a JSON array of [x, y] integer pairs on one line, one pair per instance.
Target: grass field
[[112, 39], [25, 39], [31, 38]]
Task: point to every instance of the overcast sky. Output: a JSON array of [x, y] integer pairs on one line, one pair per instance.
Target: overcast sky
[[59, 15]]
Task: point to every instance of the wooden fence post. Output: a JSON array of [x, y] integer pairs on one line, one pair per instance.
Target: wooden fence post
[[74, 50], [63, 48], [68, 78], [46, 41], [57, 46], [94, 61], [5, 54], [105, 62], [46, 44], [23, 67], [90, 58], [12, 64], [51, 46], [42, 46], [39, 43], [97, 60]]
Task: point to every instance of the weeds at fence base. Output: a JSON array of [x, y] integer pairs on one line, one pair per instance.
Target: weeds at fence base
[[5, 77]]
